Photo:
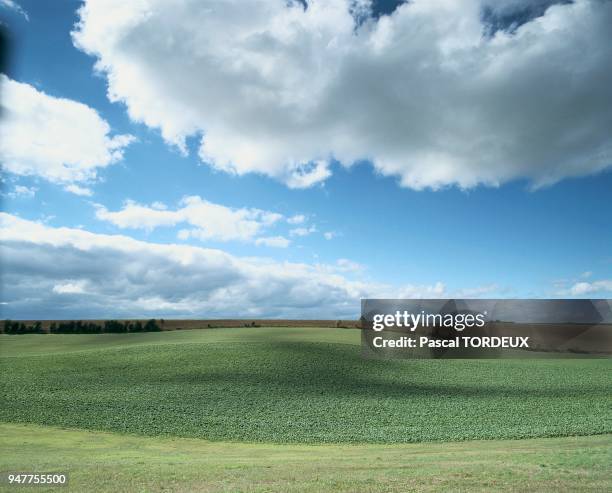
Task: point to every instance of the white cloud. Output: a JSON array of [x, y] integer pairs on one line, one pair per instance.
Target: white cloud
[[302, 175], [15, 7], [584, 288], [346, 265], [57, 139], [122, 276], [209, 221], [137, 216], [581, 286], [423, 94], [60, 272], [73, 287], [23, 191], [273, 241], [297, 219], [302, 231], [78, 190], [329, 235]]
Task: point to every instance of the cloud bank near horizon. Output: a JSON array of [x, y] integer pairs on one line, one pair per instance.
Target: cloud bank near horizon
[[59, 272]]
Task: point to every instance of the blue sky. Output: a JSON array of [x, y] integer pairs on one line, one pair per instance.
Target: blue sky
[[372, 225]]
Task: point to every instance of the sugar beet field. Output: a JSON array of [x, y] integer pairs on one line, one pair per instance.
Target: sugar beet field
[[297, 385]]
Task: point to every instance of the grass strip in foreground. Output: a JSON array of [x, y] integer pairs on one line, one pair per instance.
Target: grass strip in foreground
[[100, 462]]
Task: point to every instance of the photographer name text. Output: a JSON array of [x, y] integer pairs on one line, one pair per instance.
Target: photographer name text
[[456, 342]]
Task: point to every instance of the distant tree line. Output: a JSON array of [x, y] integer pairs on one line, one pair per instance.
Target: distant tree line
[[11, 327], [83, 327]]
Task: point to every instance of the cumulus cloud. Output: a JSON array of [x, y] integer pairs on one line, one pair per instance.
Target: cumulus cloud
[[302, 175], [437, 93], [60, 140], [583, 288], [60, 272], [208, 221], [67, 272]]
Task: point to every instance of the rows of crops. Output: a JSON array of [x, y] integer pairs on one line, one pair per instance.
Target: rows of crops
[[271, 388]]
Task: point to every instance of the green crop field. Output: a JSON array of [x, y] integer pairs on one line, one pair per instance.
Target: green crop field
[[300, 387], [292, 386]]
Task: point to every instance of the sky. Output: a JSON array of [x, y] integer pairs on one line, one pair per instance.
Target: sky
[[286, 159]]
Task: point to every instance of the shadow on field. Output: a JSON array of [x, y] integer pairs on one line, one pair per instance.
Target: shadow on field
[[338, 369], [285, 391]]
